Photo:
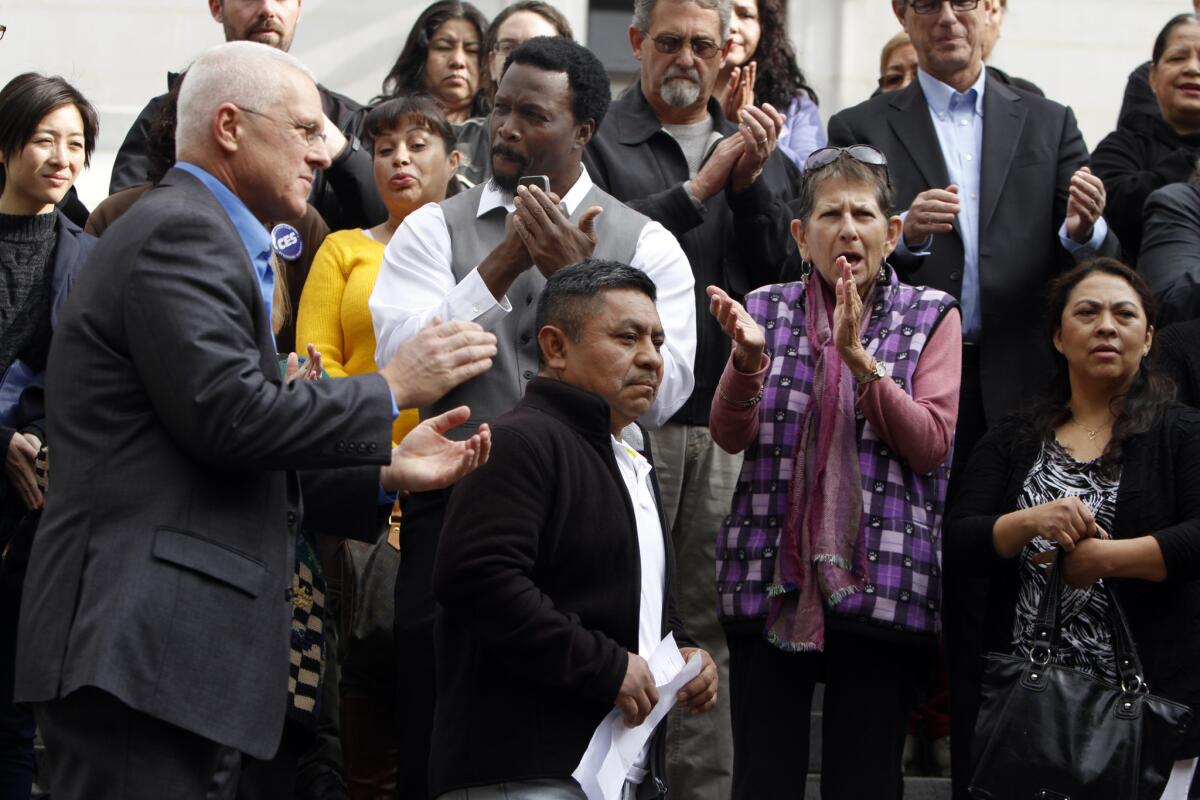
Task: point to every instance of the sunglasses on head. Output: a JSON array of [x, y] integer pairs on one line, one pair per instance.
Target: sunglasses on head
[[862, 153]]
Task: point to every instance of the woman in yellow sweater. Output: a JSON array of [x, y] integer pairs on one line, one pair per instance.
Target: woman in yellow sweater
[[415, 162]]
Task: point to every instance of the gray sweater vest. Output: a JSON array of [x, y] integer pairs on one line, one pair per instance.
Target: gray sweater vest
[[472, 238]]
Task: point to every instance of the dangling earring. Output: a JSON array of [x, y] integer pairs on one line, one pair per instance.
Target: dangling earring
[[883, 272], [806, 269]]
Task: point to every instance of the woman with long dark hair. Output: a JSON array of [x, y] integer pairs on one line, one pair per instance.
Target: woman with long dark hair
[[444, 58], [47, 135], [761, 68], [1102, 472]]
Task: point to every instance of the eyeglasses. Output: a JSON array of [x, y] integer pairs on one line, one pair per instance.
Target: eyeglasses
[[312, 134], [669, 44], [934, 6], [863, 153]]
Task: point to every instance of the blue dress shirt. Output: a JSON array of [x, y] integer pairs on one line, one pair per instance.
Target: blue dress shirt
[[958, 121], [254, 235]]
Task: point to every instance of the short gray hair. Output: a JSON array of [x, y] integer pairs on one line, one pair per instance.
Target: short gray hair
[[246, 74], [643, 10]]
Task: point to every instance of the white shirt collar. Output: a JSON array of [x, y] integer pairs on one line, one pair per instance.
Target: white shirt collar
[[491, 197]]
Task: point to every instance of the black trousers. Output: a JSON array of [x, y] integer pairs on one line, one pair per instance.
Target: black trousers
[[964, 597], [98, 748], [870, 688], [416, 674]]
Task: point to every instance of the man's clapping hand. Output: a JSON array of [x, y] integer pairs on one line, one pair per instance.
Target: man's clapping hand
[[440, 357], [427, 460], [553, 241]]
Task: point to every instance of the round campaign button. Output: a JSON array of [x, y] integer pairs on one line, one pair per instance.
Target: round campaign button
[[285, 241]]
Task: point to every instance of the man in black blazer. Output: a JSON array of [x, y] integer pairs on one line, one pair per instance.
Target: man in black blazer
[[999, 201], [155, 621]]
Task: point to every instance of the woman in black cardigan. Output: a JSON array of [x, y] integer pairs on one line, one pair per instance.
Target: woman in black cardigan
[[1106, 471]]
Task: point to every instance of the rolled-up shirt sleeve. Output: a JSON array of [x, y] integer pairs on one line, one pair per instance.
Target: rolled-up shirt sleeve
[[416, 283]]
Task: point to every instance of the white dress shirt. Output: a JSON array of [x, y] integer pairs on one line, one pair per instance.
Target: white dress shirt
[[635, 471], [416, 283]]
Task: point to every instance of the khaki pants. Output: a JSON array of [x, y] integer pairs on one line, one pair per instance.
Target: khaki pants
[[697, 480]]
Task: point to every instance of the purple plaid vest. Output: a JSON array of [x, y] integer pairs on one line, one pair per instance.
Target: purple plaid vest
[[902, 511]]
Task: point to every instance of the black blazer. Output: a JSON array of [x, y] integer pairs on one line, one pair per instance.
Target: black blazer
[[1157, 496], [538, 580], [161, 572], [1031, 147]]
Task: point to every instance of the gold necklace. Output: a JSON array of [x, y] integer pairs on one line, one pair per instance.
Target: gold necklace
[[1091, 433]]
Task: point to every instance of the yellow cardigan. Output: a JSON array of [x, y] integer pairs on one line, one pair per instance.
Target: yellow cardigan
[[333, 313]]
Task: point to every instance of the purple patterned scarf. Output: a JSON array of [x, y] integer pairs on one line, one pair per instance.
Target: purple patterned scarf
[[820, 562]]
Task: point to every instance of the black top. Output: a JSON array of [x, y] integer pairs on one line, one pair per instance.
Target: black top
[[738, 241], [1016, 83], [344, 194], [1138, 99], [1134, 160], [1156, 496], [539, 588], [1177, 352]]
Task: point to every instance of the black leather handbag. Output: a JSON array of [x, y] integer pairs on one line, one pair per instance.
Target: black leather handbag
[[1049, 732]]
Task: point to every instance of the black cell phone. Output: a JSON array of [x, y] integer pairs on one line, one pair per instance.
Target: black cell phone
[[541, 181]]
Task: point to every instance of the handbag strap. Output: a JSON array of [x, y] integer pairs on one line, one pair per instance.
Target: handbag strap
[[1047, 631]]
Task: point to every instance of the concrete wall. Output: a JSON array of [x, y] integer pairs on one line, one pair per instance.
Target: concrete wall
[[118, 51]]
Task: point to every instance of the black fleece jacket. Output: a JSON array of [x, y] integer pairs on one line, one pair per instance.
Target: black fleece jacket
[[538, 586]]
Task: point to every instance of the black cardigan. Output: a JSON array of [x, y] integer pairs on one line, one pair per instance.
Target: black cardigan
[[538, 581], [1157, 495]]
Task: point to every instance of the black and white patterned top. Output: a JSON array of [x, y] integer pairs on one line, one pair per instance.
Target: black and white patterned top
[[1086, 638]]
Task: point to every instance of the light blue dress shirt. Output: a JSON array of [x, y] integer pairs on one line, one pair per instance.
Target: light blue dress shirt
[[958, 121], [255, 237]]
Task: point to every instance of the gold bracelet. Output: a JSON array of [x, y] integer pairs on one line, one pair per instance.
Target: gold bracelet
[[748, 403]]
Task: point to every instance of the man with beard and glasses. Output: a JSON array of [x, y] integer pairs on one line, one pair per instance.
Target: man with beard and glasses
[[344, 192], [667, 150], [484, 255]]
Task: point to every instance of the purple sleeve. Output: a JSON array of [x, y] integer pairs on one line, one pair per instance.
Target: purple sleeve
[[802, 130]]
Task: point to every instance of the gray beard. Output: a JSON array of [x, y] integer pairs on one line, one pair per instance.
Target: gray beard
[[679, 93]]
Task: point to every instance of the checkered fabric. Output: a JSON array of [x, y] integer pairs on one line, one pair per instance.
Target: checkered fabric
[[307, 656], [902, 511]]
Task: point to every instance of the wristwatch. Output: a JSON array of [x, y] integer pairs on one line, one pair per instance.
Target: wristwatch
[[873, 374]]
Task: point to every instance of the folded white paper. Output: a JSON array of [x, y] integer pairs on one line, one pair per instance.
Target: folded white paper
[[614, 748]]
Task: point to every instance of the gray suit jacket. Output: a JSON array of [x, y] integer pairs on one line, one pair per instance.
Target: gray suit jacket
[[1031, 147], [161, 571]]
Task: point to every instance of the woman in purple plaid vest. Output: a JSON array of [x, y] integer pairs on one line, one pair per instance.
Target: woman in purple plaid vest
[[842, 389]]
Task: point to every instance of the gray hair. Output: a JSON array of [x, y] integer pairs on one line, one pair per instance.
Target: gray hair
[[643, 10], [247, 74]]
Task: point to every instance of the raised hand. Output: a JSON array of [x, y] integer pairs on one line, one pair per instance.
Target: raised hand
[[847, 319], [427, 460], [748, 339], [740, 90], [932, 211], [440, 357], [760, 131], [1085, 205], [553, 241], [713, 174]]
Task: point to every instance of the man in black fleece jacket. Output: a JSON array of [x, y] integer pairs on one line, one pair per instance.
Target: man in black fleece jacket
[[553, 571]]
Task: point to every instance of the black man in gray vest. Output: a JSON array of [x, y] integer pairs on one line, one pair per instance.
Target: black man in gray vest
[[484, 255]]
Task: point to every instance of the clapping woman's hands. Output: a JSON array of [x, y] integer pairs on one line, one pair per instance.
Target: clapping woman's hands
[[739, 91], [748, 339], [847, 318], [311, 370]]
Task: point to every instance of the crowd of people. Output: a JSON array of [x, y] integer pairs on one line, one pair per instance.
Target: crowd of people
[[391, 441]]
